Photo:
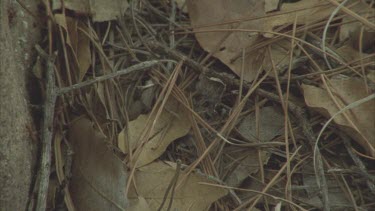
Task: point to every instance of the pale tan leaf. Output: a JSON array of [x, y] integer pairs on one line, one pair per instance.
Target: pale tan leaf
[[173, 123], [153, 179], [347, 91]]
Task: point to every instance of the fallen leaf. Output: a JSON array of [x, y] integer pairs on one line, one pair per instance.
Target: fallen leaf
[[78, 42], [173, 123], [100, 10], [349, 54], [181, 4], [255, 183], [99, 177], [371, 76], [139, 204], [271, 124], [337, 198], [346, 91], [153, 179], [245, 162], [228, 46], [351, 29], [270, 5]]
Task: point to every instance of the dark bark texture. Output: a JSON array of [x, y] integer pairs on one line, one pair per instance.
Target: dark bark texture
[[18, 35]]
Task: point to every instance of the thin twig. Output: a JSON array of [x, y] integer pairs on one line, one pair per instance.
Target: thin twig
[[140, 66], [47, 129]]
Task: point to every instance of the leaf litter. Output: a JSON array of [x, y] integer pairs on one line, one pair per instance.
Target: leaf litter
[[223, 110]]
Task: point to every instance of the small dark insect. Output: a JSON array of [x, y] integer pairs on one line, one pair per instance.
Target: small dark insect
[[12, 14]]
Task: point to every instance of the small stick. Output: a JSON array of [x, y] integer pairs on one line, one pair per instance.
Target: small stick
[[47, 129], [140, 66]]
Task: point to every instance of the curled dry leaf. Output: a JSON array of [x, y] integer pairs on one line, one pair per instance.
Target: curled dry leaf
[[173, 123], [346, 91], [153, 179], [228, 46], [99, 177], [99, 10]]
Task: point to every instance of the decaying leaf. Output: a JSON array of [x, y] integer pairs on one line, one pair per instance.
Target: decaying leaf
[[347, 91], [228, 46], [271, 124], [256, 184], [351, 27], [270, 5], [371, 76], [78, 42], [139, 204], [338, 199], [100, 10], [349, 54], [245, 162], [153, 179], [99, 177], [173, 123], [181, 4]]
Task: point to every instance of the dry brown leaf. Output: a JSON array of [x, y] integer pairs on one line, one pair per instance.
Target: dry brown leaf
[[173, 123], [246, 162], [256, 184], [99, 177], [139, 204], [61, 166], [351, 28], [181, 4], [100, 10], [271, 124], [153, 179], [270, 5], [78, 42], [349, 54], [228, 46], [346, 91], [338, 199], [371, 76]]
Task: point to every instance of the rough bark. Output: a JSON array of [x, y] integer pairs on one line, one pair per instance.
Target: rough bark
[[18, 35]]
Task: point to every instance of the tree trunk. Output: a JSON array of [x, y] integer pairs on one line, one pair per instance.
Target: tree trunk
[[18, 35]]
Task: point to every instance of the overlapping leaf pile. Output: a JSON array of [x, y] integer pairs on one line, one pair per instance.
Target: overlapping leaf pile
[[233, 115]]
